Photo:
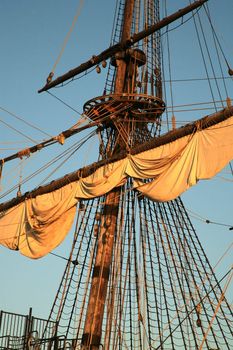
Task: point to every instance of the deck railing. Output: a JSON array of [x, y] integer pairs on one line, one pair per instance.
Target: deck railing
[[26, 332]]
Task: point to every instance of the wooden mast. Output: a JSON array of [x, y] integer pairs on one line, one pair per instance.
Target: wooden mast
[[95, 311]]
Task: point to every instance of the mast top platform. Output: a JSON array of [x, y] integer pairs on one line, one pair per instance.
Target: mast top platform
[[142, 107]]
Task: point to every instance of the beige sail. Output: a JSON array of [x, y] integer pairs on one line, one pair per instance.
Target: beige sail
[[204, 154], [37, 225]]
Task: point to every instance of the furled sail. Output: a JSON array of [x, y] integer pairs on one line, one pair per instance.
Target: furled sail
[[35, 225]]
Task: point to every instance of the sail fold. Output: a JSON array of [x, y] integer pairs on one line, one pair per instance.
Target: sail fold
[[38, 225], [195, 157]]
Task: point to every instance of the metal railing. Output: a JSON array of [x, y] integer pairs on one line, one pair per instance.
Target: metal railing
[[26, 332]]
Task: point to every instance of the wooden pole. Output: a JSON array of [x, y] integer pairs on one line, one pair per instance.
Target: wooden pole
[[95, 311]]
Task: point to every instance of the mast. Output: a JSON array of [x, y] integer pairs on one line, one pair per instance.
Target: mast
[[126, 63], [91, 338]]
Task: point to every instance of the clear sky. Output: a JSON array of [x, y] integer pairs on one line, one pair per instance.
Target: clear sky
[[32, 33]]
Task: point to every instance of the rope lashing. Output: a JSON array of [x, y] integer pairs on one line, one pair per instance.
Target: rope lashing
[[60, 138], [24, 153]]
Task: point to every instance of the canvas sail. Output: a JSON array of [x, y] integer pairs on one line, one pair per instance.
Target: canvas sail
[[38, 225]]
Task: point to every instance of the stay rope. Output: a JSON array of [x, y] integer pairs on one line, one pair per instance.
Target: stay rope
[[66, 40]]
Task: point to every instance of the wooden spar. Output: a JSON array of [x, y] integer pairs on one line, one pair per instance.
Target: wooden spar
[[155, 142], [92, 332], [123, 45], [64, 134]]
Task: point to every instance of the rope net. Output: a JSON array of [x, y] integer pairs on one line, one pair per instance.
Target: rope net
[[162, 291]]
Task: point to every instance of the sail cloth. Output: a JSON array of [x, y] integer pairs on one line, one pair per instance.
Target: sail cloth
[[37, 225]]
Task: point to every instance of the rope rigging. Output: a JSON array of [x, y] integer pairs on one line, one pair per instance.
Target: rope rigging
[[51, 74], [67, 153], [18, 131], [24, 121], [207, 221], [206, 8]]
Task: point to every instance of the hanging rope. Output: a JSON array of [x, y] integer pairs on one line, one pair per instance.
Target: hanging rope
[[64, 103], [51, 74], [206, 8], [16, 130], [169, 68], [209, 55], [24, 121], [207, 221]]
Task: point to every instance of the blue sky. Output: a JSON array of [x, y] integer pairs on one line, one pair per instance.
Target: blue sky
[[31, 37]]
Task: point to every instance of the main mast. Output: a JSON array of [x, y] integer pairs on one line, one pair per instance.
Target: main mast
[[95, 311]]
